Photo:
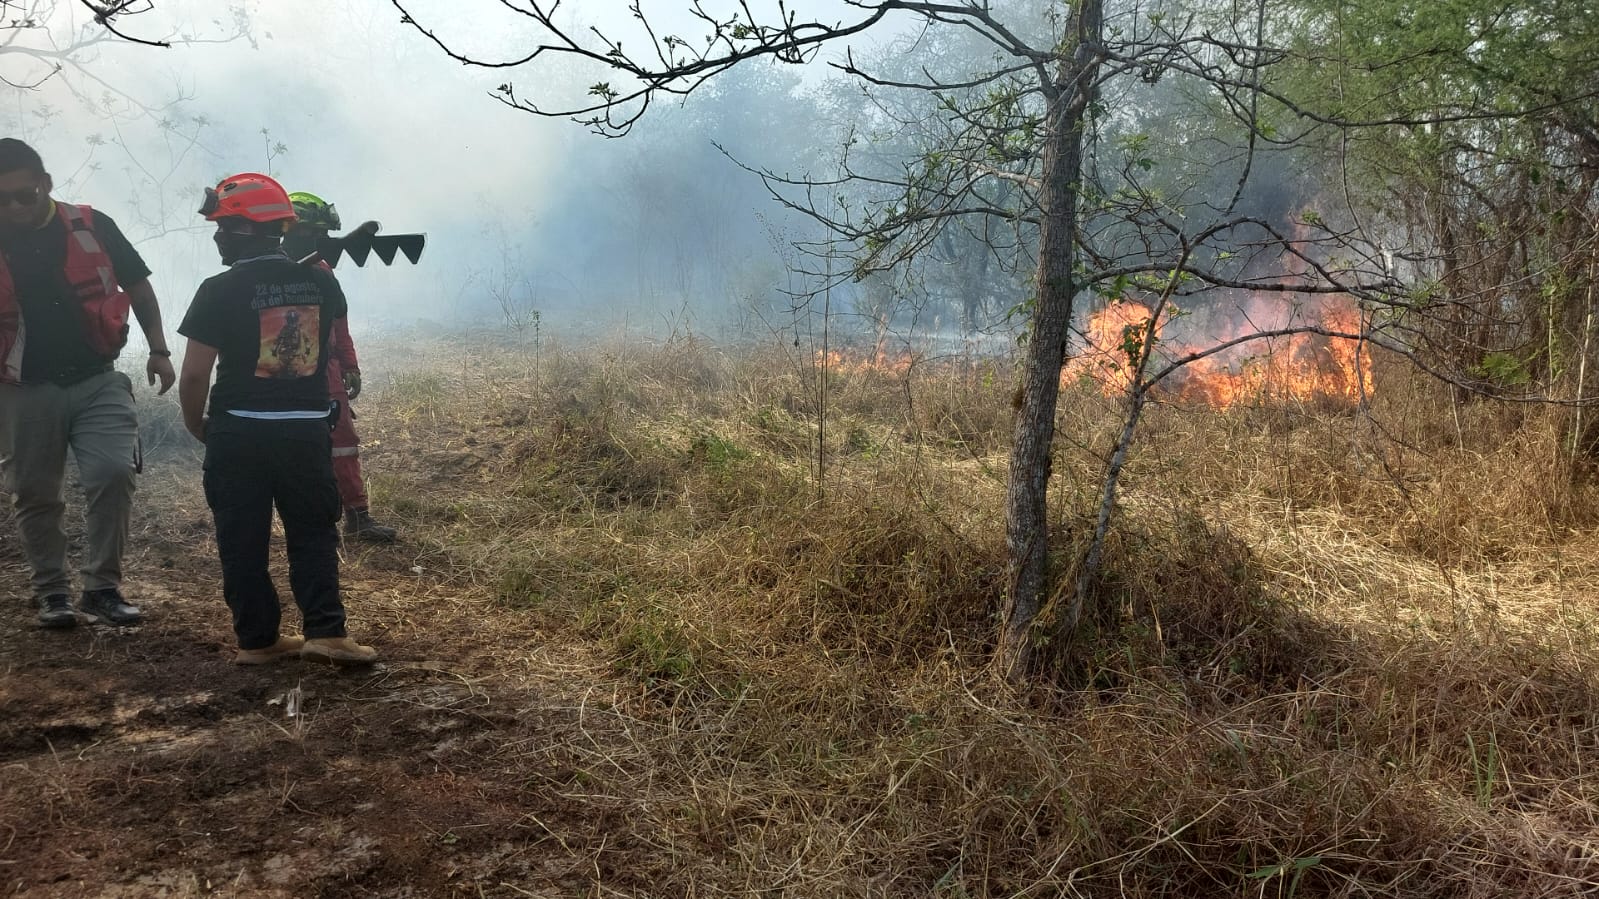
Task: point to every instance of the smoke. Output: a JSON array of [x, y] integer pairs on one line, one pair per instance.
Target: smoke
[[523, 214], [359, 108]]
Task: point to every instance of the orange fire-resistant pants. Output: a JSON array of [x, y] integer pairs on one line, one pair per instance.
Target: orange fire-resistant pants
[[346, 443]]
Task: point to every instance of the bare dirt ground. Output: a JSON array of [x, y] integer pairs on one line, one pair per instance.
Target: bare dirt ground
[[142, 762]]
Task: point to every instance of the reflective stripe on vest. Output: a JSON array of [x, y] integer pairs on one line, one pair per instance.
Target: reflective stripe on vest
[[78, 227], [89, 272]]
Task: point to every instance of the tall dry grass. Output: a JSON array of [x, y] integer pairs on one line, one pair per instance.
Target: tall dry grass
[[1336, 654]]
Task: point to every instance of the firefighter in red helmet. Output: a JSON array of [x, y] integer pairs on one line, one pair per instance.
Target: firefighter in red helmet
[[264, 326]]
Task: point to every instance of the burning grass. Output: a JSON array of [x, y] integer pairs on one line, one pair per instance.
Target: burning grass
[[1326, 664], [1306, 367], [1328, 661]]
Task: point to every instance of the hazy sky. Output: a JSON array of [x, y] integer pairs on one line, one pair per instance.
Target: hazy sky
[[371, 114]]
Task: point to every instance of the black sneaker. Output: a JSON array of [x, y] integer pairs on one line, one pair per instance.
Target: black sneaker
[[108, 605], [55, 611]]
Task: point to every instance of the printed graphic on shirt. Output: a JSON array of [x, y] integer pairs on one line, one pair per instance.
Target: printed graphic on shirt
[[289, 342]]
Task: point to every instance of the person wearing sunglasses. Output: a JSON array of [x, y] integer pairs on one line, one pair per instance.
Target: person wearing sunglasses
[[68, 281], [263, 326]]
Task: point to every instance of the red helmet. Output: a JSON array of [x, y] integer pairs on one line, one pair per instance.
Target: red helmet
[[250, 196]]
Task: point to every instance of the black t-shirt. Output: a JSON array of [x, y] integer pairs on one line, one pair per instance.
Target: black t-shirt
[[269, 319], [54, 348]]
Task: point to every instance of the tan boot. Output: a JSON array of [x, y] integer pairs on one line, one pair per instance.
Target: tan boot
[[285, 647], [339, 651]]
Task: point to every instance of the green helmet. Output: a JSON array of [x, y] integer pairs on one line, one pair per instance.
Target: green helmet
[[312, 210]]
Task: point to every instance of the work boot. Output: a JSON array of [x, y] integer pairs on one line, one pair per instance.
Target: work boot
[[107, 605], [358, 523], [340, 651], [285, 647], [55, 611]]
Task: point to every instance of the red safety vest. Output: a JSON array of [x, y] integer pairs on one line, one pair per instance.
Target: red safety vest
[[102, 306]]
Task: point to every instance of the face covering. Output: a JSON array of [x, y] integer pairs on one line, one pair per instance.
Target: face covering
[[232, 246]]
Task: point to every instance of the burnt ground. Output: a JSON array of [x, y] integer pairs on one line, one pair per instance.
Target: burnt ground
[[142, 762]]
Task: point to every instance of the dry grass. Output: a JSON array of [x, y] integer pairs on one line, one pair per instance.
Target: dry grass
[[1336, 655]]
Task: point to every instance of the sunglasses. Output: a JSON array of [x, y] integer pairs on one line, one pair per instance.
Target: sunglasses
[[27, 196]]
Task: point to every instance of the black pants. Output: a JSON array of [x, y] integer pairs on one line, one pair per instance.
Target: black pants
[[250, 467]]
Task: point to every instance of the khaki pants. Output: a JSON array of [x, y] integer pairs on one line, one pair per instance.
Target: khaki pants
[[39, 423]]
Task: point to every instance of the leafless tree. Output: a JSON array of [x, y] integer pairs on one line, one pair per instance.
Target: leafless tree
[[51, 47], [34, 48]]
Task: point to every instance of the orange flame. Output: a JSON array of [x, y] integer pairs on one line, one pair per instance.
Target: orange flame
[[1303, 367], [879, 361]]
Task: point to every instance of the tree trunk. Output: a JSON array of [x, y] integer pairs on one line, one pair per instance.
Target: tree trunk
[[1027, 487]]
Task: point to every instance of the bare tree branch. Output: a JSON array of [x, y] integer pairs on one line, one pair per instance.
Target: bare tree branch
[[106, 14]]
